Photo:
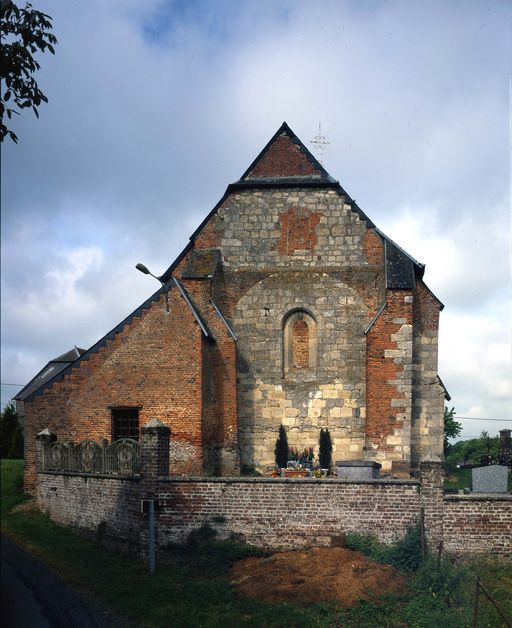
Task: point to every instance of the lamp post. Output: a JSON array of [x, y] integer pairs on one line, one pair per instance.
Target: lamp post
[[145, 270]]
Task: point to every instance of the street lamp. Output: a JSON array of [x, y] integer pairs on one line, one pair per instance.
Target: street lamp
[[145, 270]]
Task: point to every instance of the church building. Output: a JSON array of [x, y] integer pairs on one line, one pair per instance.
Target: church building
[[287, 307]]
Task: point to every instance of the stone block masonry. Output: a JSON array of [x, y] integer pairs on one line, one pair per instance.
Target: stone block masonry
[[287, 307]]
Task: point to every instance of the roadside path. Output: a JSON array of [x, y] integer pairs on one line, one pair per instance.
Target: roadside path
[[33, 596]]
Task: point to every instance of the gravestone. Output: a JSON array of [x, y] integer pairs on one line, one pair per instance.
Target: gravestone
[[491, 479], [358, 469]]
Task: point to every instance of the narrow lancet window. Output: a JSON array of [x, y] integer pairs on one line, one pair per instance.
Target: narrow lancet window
[[299, 342]]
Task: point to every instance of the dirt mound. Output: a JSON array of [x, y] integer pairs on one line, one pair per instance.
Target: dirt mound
[[316, 575]]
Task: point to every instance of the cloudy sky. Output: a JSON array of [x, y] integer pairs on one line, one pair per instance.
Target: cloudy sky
[[155, 106]]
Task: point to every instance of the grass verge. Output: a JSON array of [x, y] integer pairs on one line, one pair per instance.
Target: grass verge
[[191, 587]]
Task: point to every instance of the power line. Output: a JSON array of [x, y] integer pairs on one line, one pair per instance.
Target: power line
[[5, 384], [478, 418]]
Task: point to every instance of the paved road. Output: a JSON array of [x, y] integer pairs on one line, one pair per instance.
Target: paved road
[[32, 596]]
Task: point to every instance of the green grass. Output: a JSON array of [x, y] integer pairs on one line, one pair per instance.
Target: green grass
[[192, 587], [461, 479], [458, 478]]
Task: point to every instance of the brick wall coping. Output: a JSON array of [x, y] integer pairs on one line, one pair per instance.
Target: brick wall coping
[[264, 480], [480, 497], [99, 476]]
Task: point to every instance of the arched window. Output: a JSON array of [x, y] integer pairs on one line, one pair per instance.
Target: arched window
[[300, 345], [299, 341]]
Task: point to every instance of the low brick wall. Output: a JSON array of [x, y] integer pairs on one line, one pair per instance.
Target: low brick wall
[[272, 512], [478, 524], [93, 504], [287, 513]]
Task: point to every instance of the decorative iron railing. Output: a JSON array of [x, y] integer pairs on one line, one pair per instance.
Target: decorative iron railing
[[122, 457]]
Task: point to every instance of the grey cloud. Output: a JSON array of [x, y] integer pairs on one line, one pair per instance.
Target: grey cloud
[[143, 133]]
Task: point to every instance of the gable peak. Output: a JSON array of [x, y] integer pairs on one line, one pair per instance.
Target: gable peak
[[285, 157]]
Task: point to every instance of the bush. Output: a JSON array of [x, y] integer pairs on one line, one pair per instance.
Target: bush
[[325, 454], [281, 450], [440, 580], [11, 434], [405, 554]]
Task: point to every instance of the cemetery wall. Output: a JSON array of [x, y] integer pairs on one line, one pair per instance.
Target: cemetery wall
[[478, 524], [273, 512], [287, 513], [104, 506]]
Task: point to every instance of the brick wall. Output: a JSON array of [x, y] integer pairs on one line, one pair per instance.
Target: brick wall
[[389, 381], [478, 524], [274, 512], [154, 364], [92, 504], [284, 513], [283, 158]]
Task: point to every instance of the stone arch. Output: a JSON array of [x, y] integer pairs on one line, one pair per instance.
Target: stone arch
[[300, 341]]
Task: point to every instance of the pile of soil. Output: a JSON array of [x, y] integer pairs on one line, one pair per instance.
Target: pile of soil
[[316, 575]]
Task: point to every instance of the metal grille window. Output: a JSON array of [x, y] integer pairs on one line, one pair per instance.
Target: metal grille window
[[125, 423]]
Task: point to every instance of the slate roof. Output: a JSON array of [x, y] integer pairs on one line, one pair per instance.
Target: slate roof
[[49, 371], [202, 264]]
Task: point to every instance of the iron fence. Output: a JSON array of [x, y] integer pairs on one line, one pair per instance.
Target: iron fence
[[122, 457]]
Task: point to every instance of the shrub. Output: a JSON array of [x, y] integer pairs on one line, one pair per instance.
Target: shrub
[[200, 538], [367, 545], [441, 580], [281, 450], [11, 434], [325, 453], [405, 554]]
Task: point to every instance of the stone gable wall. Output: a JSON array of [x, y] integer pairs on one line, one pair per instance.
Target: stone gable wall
[[299, 249], [254, 230], [329, 394]]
